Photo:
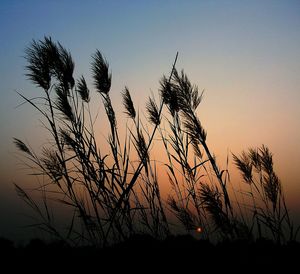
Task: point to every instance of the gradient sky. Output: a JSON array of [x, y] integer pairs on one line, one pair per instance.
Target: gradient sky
[[245, 54]]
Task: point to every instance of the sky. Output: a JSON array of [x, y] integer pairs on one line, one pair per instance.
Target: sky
[[244, 54]]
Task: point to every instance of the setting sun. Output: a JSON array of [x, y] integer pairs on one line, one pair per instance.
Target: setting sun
[[199, 229]]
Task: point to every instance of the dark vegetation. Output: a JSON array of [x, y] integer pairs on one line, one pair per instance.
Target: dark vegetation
[[175, 253], [114, 196]]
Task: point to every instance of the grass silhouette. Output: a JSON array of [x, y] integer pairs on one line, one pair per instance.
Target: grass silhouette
[[115, 195]]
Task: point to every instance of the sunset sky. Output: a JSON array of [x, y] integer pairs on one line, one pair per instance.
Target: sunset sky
[[244, 54]]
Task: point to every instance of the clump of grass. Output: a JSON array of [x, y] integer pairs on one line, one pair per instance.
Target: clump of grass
[[115, 193], [269, 207], [99, 187]]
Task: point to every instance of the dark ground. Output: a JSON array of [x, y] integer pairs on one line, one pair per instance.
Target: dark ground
[[143, 254]]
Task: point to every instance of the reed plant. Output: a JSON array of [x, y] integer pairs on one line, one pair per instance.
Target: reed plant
[[115, 193], [269, 212], [100, 187]]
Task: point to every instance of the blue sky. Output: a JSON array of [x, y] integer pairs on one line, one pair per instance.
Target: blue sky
[[245, 54]]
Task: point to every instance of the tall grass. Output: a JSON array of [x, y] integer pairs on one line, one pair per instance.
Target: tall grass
[[116, 193]]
